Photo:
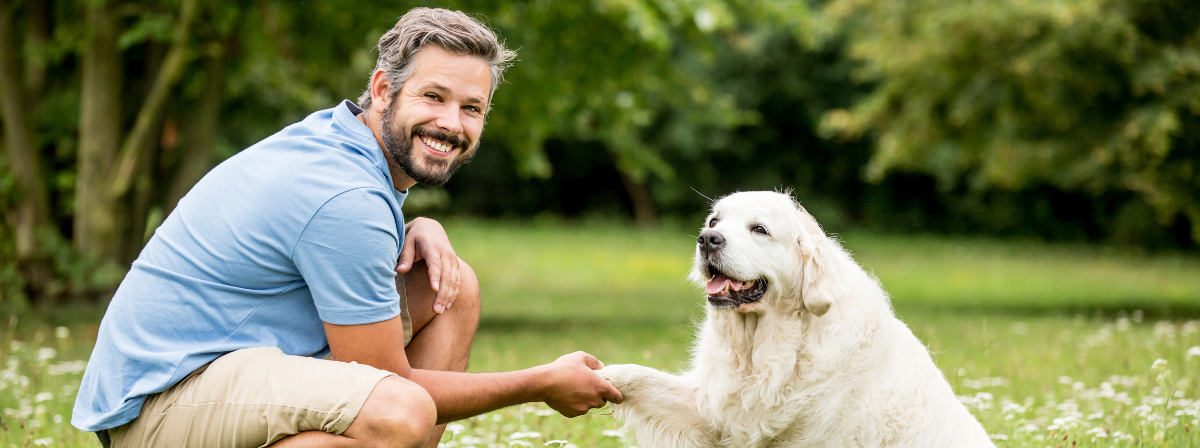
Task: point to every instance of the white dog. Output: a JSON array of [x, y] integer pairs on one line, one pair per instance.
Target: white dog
[[800, 348]]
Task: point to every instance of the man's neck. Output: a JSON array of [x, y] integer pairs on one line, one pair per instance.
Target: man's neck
[[400, 180]]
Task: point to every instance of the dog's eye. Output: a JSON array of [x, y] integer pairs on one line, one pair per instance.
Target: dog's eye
[[760, 229], [712, 222]]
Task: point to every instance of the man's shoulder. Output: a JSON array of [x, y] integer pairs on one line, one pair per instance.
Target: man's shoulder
[[318, 158]]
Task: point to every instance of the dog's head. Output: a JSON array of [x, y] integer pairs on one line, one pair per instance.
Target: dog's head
[[762, 249]]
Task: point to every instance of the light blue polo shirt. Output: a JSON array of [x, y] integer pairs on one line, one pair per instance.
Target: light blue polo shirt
[[303, 227]]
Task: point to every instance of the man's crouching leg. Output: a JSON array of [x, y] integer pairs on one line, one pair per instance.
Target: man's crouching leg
[[398, 413], [440, 341]]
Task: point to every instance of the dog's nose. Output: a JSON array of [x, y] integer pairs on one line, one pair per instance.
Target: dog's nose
[[710, 240]]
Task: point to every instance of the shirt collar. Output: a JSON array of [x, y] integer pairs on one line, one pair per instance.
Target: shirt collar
[[346, 115]]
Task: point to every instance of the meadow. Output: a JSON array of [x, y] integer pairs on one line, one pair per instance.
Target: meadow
[[1049, 345]]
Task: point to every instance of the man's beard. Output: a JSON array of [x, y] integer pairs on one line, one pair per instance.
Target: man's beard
[[398, 141]]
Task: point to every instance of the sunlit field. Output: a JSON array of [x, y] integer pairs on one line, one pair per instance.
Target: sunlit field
[[1048, 345]]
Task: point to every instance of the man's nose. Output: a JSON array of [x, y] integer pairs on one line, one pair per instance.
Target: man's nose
[[710, 240], [449, 121]]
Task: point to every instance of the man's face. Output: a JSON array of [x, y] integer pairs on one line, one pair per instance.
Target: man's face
[[432, 124]]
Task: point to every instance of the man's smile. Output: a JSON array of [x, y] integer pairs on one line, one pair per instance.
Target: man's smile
[[437, 145]]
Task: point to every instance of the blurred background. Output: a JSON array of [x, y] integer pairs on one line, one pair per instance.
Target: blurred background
[[1022, 175], [1071, 120]]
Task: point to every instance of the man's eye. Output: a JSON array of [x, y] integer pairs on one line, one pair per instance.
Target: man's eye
[[712, 222], [473, 109], [760, 229], [433, 97]]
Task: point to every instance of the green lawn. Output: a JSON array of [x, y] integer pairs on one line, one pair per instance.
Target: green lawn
[[1048, 344]]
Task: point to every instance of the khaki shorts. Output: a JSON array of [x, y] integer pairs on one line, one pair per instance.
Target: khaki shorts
[[254, 397], [249, 398]]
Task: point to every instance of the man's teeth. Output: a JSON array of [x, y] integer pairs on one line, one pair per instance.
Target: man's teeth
[[441, 147]]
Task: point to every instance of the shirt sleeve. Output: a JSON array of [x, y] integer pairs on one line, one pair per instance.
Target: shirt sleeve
[[347, 255]]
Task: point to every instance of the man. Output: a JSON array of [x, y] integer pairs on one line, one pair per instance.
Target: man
[[287, 253]]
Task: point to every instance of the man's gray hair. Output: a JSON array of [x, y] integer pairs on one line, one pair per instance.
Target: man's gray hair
[[452, 31]]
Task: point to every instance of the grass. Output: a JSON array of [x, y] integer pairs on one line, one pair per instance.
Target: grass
[[1049, 345]]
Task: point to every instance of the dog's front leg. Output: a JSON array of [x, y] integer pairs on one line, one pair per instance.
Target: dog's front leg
[[660, 408]]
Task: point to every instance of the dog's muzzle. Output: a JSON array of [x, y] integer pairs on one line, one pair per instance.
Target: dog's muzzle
[[710, 241]]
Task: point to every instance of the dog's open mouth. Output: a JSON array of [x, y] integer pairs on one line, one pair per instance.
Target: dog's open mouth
[[725, 291]]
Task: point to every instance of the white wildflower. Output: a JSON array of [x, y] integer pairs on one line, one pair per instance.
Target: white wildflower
[[1189, 327], [455, 428], [43, 442], [1118, 435], [62, 332], [1029, 427], [471, 440], [1164, 330], [44, 396], [45, 353], [1159, 364], [1122, 397], [613, 433], [1194, 351]]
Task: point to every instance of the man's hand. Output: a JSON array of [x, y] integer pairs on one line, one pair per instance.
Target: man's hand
[[425, 239], [573, 387]]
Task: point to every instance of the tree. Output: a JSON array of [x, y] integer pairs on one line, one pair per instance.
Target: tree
[[119, 66], [1090, 95], [17, 89], [108, 165]]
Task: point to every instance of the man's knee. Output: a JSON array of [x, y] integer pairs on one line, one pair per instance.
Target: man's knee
[[398, 413], [468, 291]]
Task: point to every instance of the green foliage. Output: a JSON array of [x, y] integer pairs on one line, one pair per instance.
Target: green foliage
[[1091, 95], [616, 72], [1006, 104]]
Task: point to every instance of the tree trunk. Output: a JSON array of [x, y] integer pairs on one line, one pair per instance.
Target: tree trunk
[[99, 135], [105, 176], [197, 157], [141, 138], [37, 37], [34, 208], [644, 211]]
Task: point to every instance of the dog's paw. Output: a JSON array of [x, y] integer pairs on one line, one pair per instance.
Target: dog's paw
[[627, 378]]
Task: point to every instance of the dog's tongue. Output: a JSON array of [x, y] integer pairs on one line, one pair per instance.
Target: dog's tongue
[[717, 285]]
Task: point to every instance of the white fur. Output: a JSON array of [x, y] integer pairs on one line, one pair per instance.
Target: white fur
[[820, 361]]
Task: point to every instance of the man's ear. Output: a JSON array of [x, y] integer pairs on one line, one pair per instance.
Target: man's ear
[[380, 87], [819, 280]]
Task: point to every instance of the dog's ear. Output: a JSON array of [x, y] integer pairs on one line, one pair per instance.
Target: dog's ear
[[819, 285]]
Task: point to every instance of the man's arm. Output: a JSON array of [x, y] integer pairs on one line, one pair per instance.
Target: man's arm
[[569, 385]]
